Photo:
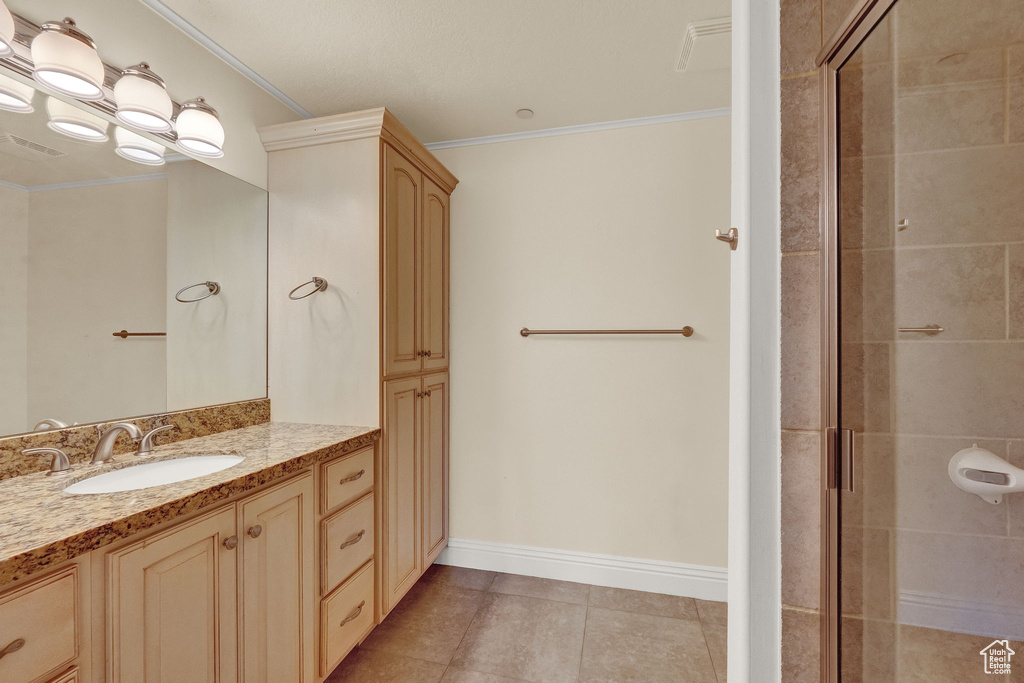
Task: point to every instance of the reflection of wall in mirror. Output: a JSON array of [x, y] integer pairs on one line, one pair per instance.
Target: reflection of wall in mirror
[[217, 230], [96, 264], [13, 310]]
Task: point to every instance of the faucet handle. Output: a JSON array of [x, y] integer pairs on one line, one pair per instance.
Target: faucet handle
[[146, 444], [60, 464]]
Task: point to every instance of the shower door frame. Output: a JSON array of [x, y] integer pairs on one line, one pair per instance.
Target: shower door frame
[[861, 21]]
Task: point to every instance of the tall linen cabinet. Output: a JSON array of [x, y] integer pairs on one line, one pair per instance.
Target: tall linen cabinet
[[356, 200]]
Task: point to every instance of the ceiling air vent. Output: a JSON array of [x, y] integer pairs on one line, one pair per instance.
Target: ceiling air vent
[[11, 139]]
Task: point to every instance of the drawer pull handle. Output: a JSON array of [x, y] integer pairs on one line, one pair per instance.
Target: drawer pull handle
[[352, 477], [352, 541], [231, 542], [17, 645], [255, 530], [359, 610]]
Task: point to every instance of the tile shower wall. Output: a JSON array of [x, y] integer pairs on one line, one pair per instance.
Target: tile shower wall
[[934, 141]]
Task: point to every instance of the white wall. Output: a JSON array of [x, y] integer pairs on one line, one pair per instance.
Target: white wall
[[607, 445], [325, 222], [97, 264], [216, 230], [13, 311]]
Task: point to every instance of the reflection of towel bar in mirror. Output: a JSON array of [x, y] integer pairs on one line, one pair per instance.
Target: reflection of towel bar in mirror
[[124, 334], [686, 331], [211, 289], [319, 285]]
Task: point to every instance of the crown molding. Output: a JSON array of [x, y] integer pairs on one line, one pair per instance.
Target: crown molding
[[359, 125], [701, 29], [237, 64], [86, 183], [584, 128]]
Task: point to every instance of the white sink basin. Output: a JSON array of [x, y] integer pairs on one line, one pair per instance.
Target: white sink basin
[[155, 474]]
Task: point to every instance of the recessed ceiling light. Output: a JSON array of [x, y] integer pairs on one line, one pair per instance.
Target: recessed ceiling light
[[525, 113]]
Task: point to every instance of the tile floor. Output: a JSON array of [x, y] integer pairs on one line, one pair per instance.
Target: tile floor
[[467, 626]]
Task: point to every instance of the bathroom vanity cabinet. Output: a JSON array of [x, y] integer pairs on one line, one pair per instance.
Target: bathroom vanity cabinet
[[274, 585]]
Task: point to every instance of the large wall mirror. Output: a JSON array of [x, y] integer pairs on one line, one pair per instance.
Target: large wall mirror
[[93, 244]]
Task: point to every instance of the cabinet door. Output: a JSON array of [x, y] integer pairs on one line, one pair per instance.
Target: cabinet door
[[172, 604], [401, 463], [434, 454], [402, 191], [434, 277], [276, 583]]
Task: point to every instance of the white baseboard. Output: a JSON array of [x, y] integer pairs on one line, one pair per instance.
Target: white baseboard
[[933, 610], [671, 578]]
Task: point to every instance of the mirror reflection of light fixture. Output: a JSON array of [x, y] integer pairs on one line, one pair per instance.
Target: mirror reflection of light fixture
[[16, 96], [135, 147], [65, 60], [142, 99], [199, 129], [67, 119], [6, 31]]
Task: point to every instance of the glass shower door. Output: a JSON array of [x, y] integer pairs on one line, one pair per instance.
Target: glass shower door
[[930, 344]]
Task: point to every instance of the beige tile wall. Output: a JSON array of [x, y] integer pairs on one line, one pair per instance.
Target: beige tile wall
[[931, 141]]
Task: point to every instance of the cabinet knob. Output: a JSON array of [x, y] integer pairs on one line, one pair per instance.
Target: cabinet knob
[[255, 530], [427, 354], [427, 392], [231, 542], [14, 646]]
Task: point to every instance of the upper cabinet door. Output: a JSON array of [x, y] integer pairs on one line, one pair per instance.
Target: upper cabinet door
[[171, 609], [434, 277], [276, 583], [403, 184]]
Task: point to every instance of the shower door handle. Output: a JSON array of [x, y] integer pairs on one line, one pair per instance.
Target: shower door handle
[[840, 457]]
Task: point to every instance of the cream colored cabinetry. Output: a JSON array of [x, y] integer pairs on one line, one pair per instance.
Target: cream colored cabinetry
[[416, 469], [357, 198], [171, 604], [276, 585], [203, 602], [40, 626]]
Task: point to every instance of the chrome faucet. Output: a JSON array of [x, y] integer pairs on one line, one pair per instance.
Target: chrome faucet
[[105, 446]]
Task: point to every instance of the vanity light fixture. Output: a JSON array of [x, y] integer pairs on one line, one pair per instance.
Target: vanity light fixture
[[65, 59], [199, 129], [135, 147], [67, 119], [6, 31], [142, 99], [16, 96]]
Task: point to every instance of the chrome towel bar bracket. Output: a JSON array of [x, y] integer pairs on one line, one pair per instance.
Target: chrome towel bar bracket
[[686, 331], [319, 285], [211, 289]]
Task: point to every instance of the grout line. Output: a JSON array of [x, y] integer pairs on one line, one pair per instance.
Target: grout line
[[1006, 95], [1006, 288], [583, 643], [909, 247]]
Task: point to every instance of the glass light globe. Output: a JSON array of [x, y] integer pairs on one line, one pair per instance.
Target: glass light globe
[[16, 96], [135, 147], [6, 31], [142, 100], [199, 129], [66, 60], [69, 120]]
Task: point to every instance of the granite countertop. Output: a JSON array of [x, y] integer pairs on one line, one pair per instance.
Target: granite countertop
[[42, 526]]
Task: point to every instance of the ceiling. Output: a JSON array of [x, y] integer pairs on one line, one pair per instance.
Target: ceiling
[[453, 69]]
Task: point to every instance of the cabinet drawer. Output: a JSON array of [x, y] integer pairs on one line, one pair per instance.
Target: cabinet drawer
[[69, 676], [347, 478], [346, 616], [43, 616], [347, 542]]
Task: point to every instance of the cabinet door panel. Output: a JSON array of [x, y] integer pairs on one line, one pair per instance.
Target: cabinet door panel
[[276, 583], [401, 458], [172, 605], [434, 450], [402, 189], [434, 278]]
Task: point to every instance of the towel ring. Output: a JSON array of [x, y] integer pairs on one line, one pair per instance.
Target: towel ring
[[212, 288], [320, 286]]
